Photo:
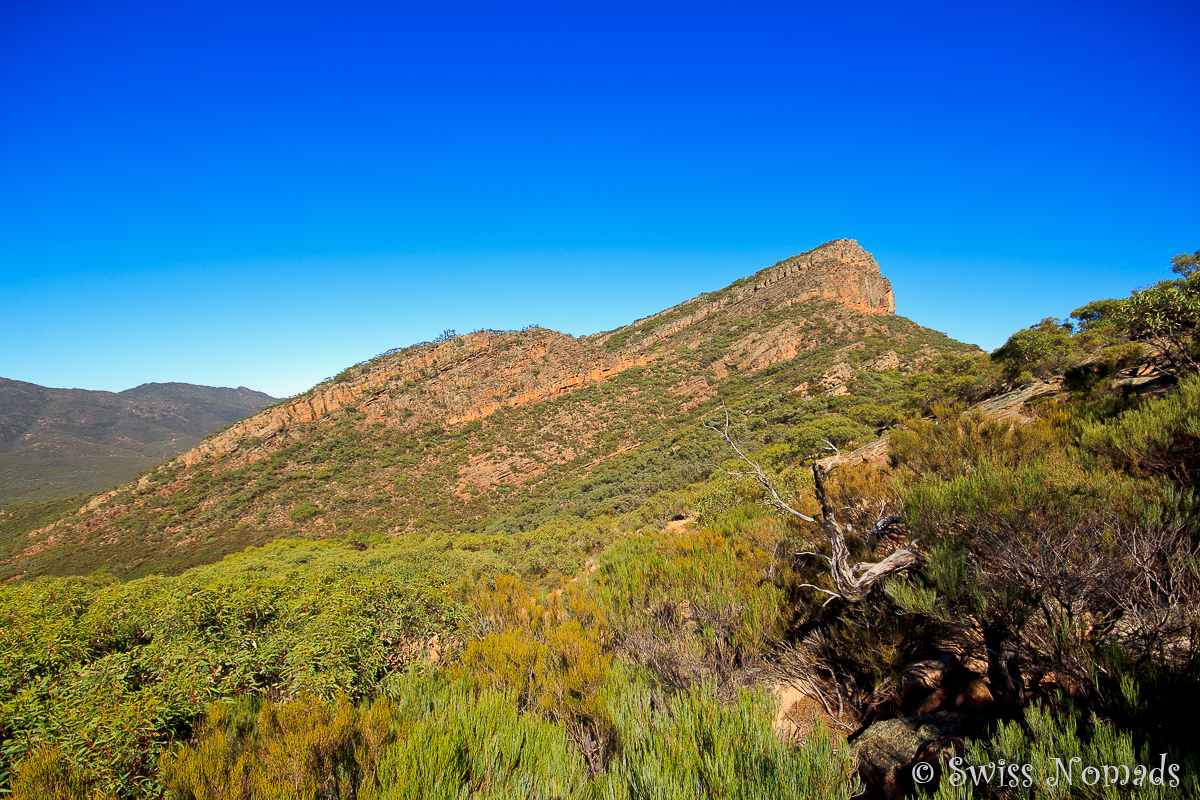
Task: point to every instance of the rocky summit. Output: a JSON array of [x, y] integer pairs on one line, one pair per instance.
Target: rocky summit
[[491, 432]]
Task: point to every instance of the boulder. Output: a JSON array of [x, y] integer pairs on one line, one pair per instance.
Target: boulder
[[888, 750]]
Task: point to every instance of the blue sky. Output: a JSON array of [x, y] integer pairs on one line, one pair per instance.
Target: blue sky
[[261, 194]]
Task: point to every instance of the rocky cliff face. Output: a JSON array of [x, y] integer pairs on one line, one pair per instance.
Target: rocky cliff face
[[839, 271], [473, 376], [465, 379], [460, 430]]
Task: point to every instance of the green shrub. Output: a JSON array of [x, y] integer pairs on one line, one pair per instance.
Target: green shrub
[[304, 512], [693, 745], [1051, 752], [958, 443], [303, 748], [1161, 437], [1036, 351], [110, 673], [463, 742], [697, 607]]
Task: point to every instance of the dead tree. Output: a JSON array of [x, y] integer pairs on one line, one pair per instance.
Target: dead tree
[[852, 582]]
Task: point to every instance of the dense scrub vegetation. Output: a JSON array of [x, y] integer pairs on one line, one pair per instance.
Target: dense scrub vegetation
[[582, 646], [583, 460]]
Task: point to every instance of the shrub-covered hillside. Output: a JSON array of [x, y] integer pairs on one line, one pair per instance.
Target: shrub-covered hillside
[[59, 442], [1010, 588], [484, 438]]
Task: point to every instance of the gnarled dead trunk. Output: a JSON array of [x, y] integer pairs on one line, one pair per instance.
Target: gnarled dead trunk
[[852, 582]]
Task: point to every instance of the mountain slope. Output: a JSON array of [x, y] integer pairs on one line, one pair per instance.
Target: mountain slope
[[496, 443], [61, 442]]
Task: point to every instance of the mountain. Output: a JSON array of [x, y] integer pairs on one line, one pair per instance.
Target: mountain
[[520, 530], [62, 442], [496, 440]]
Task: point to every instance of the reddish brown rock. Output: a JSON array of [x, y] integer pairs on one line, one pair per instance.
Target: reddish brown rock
[[974, 699], [839, 270], [888, 750], [832, 294]]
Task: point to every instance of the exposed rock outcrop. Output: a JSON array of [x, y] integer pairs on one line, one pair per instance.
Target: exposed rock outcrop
[[441, 431], [889, 750], [471, 377], [464, 379], [839, 270]]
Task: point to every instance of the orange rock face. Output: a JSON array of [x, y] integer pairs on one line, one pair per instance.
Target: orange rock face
[[840, 271], [471, 377], [746, 327], [465, 379]]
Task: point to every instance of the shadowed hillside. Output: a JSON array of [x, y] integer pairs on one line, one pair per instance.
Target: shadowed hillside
[[59, 442]]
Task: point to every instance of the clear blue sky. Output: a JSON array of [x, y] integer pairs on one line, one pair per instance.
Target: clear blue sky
[[261, 194]]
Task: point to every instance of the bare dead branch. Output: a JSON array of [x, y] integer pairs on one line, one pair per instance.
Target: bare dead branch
[[852, 582], [828, 560], [757, 473]]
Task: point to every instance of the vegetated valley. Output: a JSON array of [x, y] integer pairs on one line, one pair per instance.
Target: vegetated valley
[[775, 541]]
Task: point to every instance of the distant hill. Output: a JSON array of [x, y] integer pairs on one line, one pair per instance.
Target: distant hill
[[504, 440], [61, 442]]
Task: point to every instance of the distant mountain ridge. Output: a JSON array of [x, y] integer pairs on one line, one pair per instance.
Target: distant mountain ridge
[[480, 438], [61, 442]]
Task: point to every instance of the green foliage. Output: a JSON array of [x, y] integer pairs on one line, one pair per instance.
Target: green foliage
[[433, 738], [1097, 315], [722, 494], [1156, 438], [996, 497], [959, 443], [111, 672], [1167, 315], [807, 439], [45, 775], [1186, 265], [1098, 349], [948, 588], [697, 606], [1047, 532], [549, 655], [303, 512], [461, 742], [301, 748], [694, 745], [1036, 351], [1051, 752]]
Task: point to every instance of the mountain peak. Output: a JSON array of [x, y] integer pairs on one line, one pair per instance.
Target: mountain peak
[[839, 270], [500, 430]]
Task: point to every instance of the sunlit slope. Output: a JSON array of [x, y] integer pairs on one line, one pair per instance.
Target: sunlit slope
[[495, 442]]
